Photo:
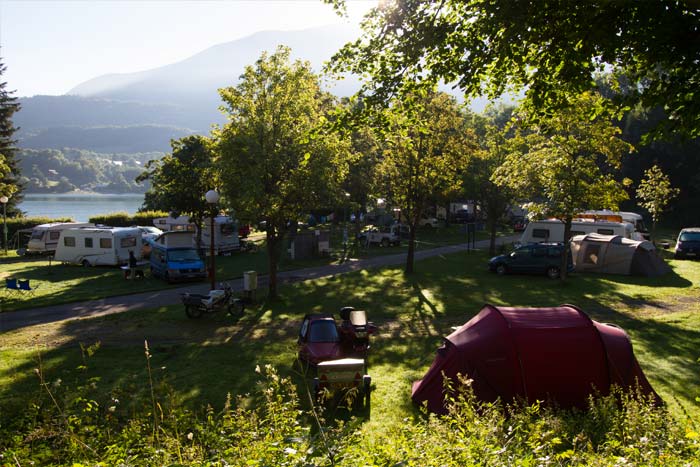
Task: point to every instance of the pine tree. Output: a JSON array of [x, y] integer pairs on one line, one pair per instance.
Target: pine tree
[[9, 166]]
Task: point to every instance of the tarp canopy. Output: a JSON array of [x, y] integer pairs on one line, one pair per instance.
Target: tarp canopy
[[548, 354], [613, 254]]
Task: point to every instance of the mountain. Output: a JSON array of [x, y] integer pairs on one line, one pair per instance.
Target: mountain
[[176, 99]]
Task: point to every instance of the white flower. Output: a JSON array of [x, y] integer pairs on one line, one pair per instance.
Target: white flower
[[190, 436]]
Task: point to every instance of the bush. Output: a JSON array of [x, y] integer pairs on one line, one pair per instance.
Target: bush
[[123, 219]]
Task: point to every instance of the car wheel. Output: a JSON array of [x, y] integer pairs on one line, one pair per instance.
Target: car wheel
[[501, 269], [86, 263], [553, 272], [193, 311], [384, 242]]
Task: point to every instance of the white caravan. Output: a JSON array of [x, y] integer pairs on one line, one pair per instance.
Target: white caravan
[[226, 237], [45, 236], [99, 245], [552, 230], [640, 229]]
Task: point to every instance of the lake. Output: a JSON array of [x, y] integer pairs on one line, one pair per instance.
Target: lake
[[80, 206]]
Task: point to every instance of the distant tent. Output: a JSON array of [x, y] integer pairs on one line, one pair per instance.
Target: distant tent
[[613, 254], [549, 354]]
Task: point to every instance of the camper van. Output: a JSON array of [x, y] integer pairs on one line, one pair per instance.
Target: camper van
[[552, 230], [174, 257], [98, 246], [44, 237], [226, 237], [640, 230]]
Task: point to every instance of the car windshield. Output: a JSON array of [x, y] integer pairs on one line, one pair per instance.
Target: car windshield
[[183, 256], [323, 331], [689, 237]]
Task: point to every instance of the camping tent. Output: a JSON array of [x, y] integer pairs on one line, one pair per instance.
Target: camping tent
[[549, 354], [614, 254]]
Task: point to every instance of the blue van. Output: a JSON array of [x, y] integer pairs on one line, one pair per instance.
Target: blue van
[[174, 258]]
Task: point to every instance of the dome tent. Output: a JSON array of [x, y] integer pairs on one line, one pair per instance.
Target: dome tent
[[613, 254], [550, 354]]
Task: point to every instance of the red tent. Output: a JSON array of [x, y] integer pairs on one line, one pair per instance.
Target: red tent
[[543, 354]]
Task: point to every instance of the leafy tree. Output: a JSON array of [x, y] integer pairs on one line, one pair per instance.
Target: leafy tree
[[180, 180], [427, 145], [550, 49], [565, 164], [276, 159], [654, 193], [9, 170]]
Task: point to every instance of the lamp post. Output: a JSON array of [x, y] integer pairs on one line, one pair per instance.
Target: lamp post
[[212, 198], [4, 200], [345, 221]]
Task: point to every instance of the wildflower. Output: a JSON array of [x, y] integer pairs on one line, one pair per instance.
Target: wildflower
[[190, 436]]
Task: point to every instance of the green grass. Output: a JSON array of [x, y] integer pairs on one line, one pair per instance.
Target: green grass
[[203, 360], [57, 283]]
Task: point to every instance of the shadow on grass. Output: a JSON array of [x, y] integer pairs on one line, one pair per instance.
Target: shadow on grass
[[203, 360]]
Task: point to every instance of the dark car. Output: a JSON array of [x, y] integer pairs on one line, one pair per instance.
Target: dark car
[[688, 243], [318, 339], [462, 216], [538, 258]]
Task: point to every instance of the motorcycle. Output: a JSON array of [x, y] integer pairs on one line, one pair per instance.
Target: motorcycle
[[216, 300]]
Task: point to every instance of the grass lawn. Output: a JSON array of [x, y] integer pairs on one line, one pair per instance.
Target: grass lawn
[[203, 360], [58, 283]]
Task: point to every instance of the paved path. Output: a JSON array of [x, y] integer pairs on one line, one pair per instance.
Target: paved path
[[30, 317]]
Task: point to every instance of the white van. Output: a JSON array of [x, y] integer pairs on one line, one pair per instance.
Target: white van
[[45, 237], [99, 245], [552, 230]]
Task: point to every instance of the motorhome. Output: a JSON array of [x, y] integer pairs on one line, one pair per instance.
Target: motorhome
[[640, 229], [98, 246], [226, 239], [174, 257], [44, 237], [552, 230]]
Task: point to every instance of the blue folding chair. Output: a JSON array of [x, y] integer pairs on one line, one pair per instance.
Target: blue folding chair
[[11, 285], [24, 287]]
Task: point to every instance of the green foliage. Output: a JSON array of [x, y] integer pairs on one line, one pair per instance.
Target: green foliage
[[61, 171], [550, 50], [655, 193], [82, 426], [427, 146], [276, 157], [10, 184], [124, 219]]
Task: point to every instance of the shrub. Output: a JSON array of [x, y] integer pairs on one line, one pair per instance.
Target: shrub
[[124, 219]]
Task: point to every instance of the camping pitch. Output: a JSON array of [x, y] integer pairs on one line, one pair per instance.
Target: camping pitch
[[548, 354]]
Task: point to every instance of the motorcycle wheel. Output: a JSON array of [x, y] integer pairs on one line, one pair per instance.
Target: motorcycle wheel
[[193, 311], [236, 308]]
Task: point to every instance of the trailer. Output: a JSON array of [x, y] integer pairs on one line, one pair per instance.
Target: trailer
[[552, 230], [98, 246], [226, 236], [44, 237]]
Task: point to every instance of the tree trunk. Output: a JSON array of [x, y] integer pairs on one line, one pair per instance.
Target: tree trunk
[[563, 270], [272, 248], [411, 248], [492, 242]]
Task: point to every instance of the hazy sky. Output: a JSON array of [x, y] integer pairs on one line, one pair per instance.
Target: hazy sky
[[51, 46]]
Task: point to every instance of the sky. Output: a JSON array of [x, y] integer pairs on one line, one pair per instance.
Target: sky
[[49, 47]]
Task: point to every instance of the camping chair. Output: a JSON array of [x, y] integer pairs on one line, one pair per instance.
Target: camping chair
[[24, 287], [11, 285]]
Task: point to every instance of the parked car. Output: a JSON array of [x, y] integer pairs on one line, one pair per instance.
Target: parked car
[[385, 236], [519, 224], [428, 222], [539, 258], [319, 339], [462, 216], [688, 243]]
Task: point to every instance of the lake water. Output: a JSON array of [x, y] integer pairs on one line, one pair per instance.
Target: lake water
[[79, 206]]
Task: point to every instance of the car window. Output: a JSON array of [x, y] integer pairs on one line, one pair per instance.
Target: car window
[[304, 328], [553, 251], [689, 237], [323, 331], [539, 252], [521, 252]]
